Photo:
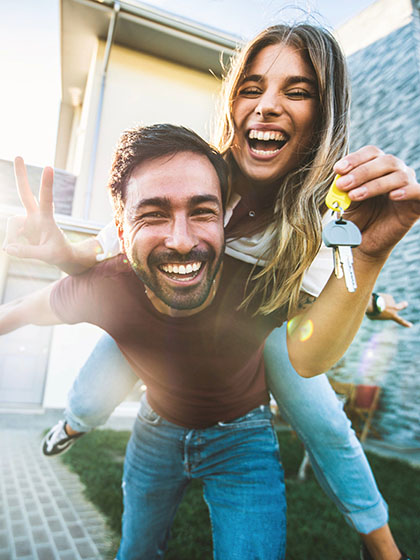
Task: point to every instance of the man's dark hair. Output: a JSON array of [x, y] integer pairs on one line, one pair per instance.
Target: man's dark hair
[[144, 143]]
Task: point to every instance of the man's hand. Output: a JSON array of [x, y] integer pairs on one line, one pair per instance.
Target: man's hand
[[390, 313], [37, 235], [387, 195]]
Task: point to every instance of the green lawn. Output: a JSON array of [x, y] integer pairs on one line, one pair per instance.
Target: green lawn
[[315, 529]]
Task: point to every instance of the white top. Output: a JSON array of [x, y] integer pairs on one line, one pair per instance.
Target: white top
[[248, 249]]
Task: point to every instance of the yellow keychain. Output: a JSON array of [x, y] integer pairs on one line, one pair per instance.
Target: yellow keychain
[[337, 200]]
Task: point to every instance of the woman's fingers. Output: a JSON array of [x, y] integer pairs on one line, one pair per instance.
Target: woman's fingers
[[46, 204], [14, 230], [24, 190], [371, 173]]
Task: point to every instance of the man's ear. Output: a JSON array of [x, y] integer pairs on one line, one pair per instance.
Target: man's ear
[[120, 231]]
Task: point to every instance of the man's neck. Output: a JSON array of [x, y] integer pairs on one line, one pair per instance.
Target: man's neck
[[165, 309]]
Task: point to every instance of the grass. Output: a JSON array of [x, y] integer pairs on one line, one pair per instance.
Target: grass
[[315, 528]]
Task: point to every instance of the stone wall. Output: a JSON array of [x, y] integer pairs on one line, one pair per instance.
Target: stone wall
[[386, 112]]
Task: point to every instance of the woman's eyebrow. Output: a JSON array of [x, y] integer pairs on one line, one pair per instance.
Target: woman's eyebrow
[[290, 80], [252, 78]]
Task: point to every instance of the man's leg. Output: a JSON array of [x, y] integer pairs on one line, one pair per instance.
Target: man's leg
[[154, 482], [239, 463], [340, 465]]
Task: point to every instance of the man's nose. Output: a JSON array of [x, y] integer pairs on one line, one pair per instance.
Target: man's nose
[[181, 237]]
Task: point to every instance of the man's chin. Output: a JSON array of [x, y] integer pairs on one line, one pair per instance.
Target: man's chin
[[183, 302]]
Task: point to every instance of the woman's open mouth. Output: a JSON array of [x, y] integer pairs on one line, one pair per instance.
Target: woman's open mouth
[[266, 142]]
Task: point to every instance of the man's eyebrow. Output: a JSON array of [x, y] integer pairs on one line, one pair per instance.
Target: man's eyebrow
[[203, 198], [165, 203]]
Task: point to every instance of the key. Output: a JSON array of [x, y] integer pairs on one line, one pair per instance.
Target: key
[[342, 235]]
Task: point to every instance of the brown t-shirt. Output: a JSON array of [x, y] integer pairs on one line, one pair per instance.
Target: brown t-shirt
[[200, 369]]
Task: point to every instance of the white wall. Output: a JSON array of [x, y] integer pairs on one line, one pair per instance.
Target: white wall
[[140, 89]]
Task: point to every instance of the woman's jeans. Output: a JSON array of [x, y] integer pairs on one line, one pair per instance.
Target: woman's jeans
[[239, 464], [309, 405]]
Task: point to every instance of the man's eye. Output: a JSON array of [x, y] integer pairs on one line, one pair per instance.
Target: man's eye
[[152, 216], [203, 212]]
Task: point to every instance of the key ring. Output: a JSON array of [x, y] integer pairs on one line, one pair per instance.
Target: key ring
[[339, 211]]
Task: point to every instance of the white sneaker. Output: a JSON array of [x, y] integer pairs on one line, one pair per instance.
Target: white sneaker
[[57, 440]]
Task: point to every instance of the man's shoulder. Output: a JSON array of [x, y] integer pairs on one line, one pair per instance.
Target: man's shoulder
[[117, 266]]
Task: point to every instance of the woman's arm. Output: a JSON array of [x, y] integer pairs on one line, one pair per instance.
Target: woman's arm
[[37, 234], [388, 197], [34, 309]]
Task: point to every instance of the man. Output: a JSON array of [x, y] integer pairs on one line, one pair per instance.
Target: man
[[206, 413]]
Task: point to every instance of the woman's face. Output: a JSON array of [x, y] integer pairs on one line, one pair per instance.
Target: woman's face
[[274, 114]]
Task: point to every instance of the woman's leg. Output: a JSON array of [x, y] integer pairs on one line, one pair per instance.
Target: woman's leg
[[101, 385], [314, 412]]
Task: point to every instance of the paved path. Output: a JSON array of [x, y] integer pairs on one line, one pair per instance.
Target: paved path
[[43, 513]]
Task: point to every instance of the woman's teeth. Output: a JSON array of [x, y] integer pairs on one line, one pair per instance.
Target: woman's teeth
[[266, 135], [266, 141], [181, 268]]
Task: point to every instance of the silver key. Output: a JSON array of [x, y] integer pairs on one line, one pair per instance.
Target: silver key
[[341, 235]]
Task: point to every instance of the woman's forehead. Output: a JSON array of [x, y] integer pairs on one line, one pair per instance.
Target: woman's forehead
[[279, 58]]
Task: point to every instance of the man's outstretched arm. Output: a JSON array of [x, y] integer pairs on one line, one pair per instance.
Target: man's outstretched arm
[[34, 309]]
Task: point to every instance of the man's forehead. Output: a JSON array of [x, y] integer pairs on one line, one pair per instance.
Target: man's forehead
[[177, 175]]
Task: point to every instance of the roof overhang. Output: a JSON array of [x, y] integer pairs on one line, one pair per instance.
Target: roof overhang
[[139, 27]]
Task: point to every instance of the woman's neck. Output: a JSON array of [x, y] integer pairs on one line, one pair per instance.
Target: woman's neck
[[256, 194]]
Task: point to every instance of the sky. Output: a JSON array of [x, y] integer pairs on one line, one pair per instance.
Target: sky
[[30, 57]]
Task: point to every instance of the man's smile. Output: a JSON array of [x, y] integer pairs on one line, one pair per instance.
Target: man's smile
[[181, 272]]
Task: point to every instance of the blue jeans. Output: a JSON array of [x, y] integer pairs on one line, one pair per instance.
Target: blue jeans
[[309, 405], [337, 457], [239, 464]]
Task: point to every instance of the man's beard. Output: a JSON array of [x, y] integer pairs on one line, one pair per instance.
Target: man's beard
[[178, 297]]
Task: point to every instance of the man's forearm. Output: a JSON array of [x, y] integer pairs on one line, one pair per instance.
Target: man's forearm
[[34, 309]]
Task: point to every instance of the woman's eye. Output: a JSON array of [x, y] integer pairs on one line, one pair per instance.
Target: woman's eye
[[249, 91], [299, 94]]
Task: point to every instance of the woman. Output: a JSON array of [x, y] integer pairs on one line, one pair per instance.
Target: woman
[[284, 127]]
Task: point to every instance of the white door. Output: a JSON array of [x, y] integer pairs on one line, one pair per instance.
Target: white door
[[24, 353]]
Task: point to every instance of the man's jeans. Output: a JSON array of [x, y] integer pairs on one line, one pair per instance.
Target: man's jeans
[[240, 467], [309, 405]]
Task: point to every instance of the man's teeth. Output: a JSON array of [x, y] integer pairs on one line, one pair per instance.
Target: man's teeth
[[181, 268], [267, 135]]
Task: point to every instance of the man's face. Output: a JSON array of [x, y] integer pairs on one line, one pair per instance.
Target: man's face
[[172, 228]]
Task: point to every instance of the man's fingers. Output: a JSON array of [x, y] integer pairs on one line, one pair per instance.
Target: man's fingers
[[24, 190], [46, 205]]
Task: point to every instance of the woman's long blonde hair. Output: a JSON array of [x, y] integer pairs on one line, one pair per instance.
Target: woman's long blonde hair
[[301, 193]]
